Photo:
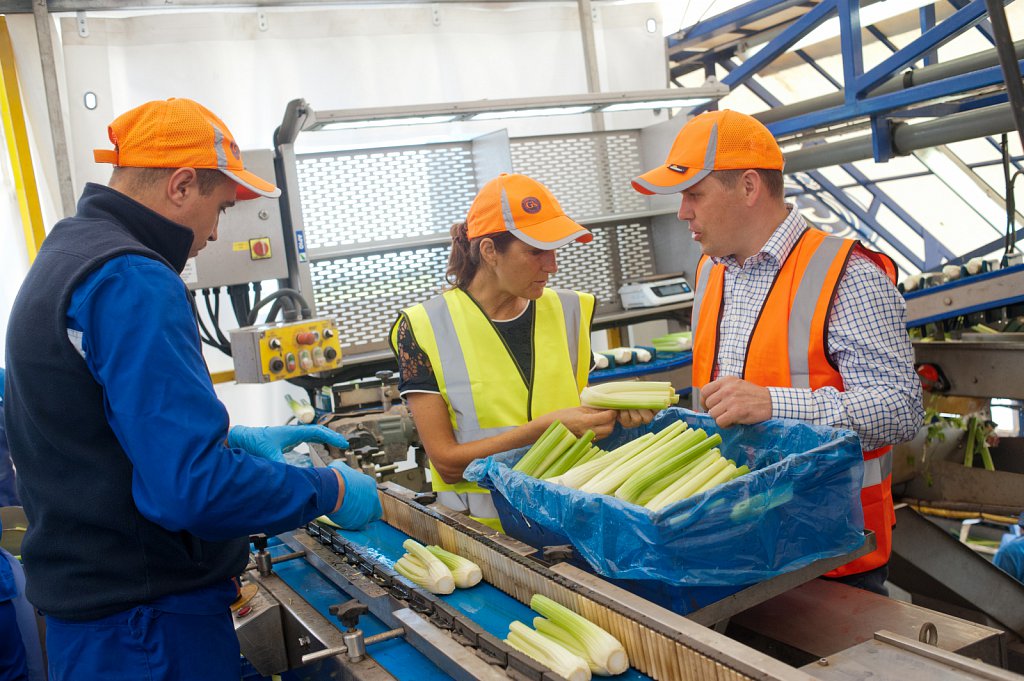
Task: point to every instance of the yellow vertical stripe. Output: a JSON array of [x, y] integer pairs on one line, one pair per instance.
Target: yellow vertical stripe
[[17, 146]]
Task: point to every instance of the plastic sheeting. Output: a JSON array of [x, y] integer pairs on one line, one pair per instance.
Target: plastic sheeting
[[799, 503]]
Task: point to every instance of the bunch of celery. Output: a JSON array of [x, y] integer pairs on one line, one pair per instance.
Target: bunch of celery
[[569, 644], [673, 342], [656, 469], [436, 570], [655, 395], [556, 451]]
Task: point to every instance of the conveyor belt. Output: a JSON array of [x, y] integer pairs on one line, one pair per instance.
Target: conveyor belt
[[399, 658], [660, 644]]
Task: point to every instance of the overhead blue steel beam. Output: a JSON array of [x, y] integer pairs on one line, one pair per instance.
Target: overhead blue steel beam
[[812, 62], [783, 42], [953, 26], [851, 45], [849, 204], [882, 103], [984, 26], [927, 16], [884, 39], [934, 250], [880, 196], [731, 20]]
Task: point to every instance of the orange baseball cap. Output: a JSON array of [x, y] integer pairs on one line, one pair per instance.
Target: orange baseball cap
[[180, 133], [524, 207], [714, 140]]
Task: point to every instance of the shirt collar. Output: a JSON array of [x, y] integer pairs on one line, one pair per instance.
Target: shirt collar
[[779, 244], [167, 238]]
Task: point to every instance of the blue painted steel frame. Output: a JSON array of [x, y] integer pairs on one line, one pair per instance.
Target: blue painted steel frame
[[934, 250], [859, 84], [891, 101]]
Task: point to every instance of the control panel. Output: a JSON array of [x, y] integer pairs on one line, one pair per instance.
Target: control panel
[[270, 352]]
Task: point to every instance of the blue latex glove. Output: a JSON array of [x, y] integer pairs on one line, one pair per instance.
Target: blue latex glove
[[273, 441], [361, 505]]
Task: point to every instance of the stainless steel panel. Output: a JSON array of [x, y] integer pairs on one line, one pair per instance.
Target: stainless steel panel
[[977, 369], [823, 618], [229, 260]]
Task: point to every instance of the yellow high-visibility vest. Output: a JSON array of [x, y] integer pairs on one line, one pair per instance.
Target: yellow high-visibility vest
[[484, 387]]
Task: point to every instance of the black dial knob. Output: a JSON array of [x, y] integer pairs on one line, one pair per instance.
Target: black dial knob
[[276, 364], [330, 354]]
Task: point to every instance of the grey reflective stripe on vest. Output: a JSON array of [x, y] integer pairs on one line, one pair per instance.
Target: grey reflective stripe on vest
[[876, 470], [698, 296], [453, 365], [478, 505], [474, 434], [804, 306], [698, 293], [571, 311]]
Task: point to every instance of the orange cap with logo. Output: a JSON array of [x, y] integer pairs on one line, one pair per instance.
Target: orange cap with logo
[[180, 133], [714, 140], [520, 205]]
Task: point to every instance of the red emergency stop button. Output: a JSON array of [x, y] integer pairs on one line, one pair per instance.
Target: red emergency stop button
[[259, 249], [305, 338]]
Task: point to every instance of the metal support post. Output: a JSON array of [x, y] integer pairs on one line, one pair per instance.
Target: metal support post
[[850, 41], [1008, 62], [44, 36], [927, 15]]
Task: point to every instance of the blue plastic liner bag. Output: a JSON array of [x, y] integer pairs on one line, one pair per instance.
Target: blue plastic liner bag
[[800, 503]]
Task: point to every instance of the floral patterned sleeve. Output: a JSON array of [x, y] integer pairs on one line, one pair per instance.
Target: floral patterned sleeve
[[415, 372]]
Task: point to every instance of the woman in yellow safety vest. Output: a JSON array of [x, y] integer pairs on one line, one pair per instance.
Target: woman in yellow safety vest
[[489, 364]]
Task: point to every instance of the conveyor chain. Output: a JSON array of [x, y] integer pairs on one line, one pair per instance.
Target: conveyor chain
[[486, 646]]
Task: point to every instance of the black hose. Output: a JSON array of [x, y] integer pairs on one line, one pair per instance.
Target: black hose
[[214, 312], [279, 294]]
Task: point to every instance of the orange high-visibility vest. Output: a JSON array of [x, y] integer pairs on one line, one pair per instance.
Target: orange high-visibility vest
[[788, 348]]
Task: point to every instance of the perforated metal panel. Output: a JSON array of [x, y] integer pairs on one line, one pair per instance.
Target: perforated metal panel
[[358, 197], [367, 292], [588, 173], [618, 253]]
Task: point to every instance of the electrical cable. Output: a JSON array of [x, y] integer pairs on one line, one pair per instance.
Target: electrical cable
[[214, 312], [1010, 239], [282, 293], [204, 333]]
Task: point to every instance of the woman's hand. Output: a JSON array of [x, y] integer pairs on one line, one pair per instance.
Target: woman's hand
[[581, 419], [631, 418]]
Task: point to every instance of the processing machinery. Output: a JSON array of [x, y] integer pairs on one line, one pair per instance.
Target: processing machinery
[[327, 603]]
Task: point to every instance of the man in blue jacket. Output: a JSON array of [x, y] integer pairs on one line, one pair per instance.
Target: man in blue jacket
[[139, 500]]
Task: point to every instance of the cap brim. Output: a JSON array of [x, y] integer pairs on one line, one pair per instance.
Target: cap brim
[[664, 180], [250, 186], [550, 234]]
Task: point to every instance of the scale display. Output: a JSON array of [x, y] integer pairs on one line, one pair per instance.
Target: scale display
[[655, 293]]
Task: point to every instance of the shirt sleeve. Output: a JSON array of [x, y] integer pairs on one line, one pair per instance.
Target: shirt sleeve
[[140, 342], [415, 374], [868, 342]]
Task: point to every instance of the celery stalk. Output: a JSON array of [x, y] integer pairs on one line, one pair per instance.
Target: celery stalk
[[561, 446], [723, 475], [540, 448], [569, 459], [664, 470], [696, 482], [610, 481], [692, 471]]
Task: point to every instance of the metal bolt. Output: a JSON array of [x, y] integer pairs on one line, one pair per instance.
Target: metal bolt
[[304, 642], [947, 301], [263, 214], [823, 661]]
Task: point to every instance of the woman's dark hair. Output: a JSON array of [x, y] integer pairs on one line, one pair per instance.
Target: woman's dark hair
[[464, 259]]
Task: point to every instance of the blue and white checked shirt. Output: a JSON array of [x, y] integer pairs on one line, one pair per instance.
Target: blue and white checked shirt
[[867, 340]]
